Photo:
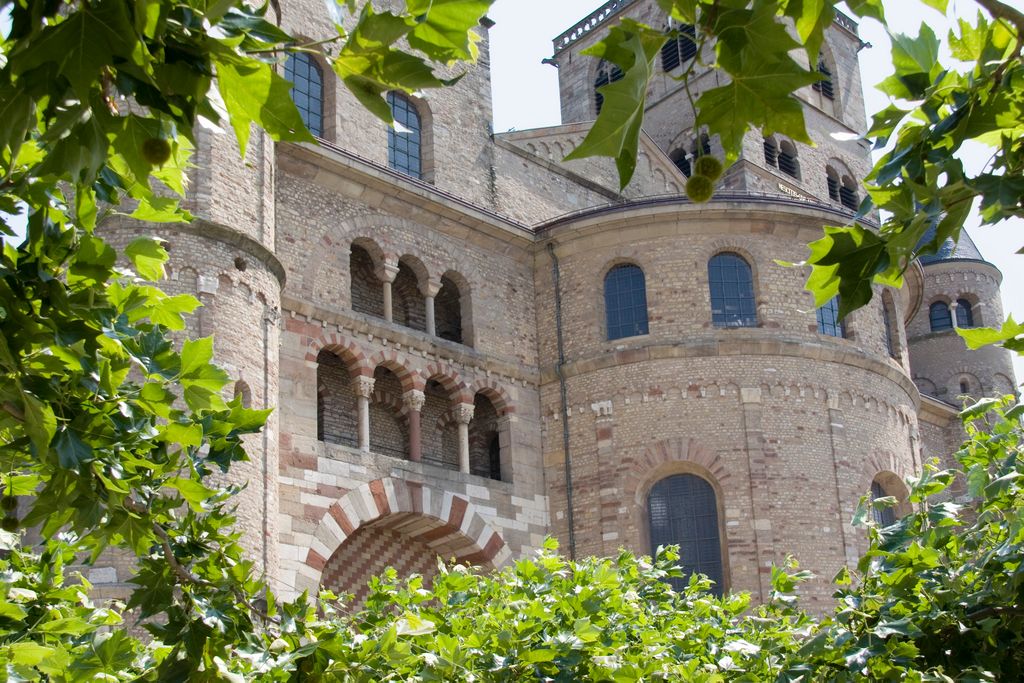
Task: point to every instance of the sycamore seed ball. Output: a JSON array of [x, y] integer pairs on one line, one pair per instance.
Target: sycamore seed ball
[[156, 151], [8, 502], [10, 524], [709, 166], [699, 188]]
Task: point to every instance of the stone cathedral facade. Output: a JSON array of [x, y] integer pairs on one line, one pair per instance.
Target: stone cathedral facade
[[471, 344]]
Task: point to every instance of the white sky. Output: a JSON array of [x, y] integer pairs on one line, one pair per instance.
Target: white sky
[[526, 96]]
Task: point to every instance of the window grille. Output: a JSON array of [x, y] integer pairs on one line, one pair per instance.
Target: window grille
[[606, 74], [404, 137], [680, 50], [828, 319], [939, 317], [883, 516], [307, 90], [732, 291], [825, 86], [682, 510], [964, 313], [625, 301]]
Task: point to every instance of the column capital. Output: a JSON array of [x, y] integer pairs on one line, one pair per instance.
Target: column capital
[[464, 413], [388, 272], [430, 288], [414, 399], [363, 386]]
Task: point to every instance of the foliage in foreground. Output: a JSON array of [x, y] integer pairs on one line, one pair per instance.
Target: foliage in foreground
[[937, 597]]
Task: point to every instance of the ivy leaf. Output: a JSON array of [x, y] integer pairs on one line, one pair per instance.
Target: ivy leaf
[[616, 133]]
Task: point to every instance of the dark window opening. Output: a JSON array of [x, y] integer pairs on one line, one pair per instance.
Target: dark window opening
[[606, 74], [731, 282], [408, 306], [494, 453], [680, 50], [885, 516], [848, 195], [832, 180], [336, 403], [964, 313], [682, 162], [965, 387], [307, 90], [788, 163], [939, 317], [824, 86], [484, 440], [683, 510], [625, 301], [366, 291], [890, 337], [829, 322], [404, 137], [702, 145], [448, 311], [771, 153]]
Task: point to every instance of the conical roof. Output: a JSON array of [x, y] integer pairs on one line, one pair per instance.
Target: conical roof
[[964, 250]]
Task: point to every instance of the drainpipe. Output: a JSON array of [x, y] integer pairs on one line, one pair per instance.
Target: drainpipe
[[564, 398]]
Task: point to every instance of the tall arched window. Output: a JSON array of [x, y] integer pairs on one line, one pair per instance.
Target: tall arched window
[[885, 516], [680, 50], [683, 510], [625, 301], [888, 322], [771, 152], [405, 137], [307, 90], [828, 319], [825, 86], [788, 162], [606, 73], [939, 317], [848, 193], [832, 182], [964, 314], [732, 291]]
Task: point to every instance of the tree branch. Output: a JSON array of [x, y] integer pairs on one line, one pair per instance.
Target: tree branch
[[1000, 11]]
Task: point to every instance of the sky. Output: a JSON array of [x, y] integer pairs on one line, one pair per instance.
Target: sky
[[526, 96]]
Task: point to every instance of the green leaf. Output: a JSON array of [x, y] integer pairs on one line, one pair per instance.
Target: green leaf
[[194, 493], [196, 354], [616, 132], [72, 626], [72, 451], [443, 28], [538, 655], [40, 422], [8, 610], [27, 653], [984, 336], [148, 256]]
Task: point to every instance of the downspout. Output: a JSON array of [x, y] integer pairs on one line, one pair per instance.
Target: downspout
[[564, 399]]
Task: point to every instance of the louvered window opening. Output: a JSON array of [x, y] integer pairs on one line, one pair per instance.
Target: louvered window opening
[[625, 301], [607, 74], [883, 516], [939, 317], [829, 322], [964, 314], [771, 153], [404, 138], [307, 90], [848, 197], [731, 282], [833, 187], [682, 510], [680, 50], [825, 87], [787, 164]]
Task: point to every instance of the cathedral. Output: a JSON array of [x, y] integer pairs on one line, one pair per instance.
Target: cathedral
[[471, 344]]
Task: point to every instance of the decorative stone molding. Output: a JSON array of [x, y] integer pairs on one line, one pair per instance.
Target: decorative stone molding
[[363, 386], [463, 413], [414, 400]]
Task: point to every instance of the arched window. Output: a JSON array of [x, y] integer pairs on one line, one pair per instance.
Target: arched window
[[307, 90], [825, 86], [448, 311], [607, 73], [404, 137], [833, 183], [964, 314], [625, 301], [788, 163], [732, 291], [888, 320], [939, 317], [771, 152], [683, 510], [848, 193], [682, 162], [883, 516], [828, 319], [680, 50], [965, 386]]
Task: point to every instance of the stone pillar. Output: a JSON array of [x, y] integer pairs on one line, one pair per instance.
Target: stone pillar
[[837, 438], [429, 292], [387, 275], [464, 415], [414, 400], [364, 389], [750, 398]]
